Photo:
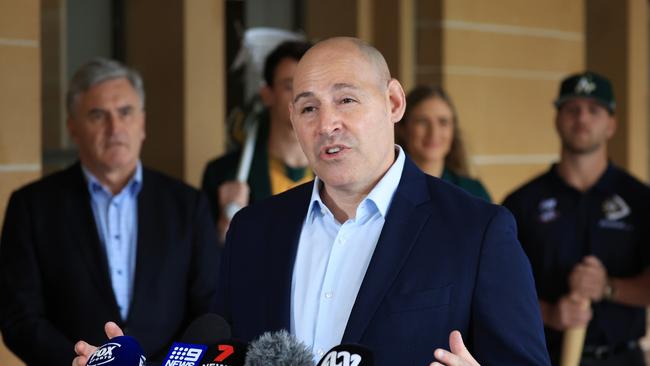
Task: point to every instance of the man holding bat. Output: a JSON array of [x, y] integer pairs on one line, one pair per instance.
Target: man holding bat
[[584, 226], [277, 163]]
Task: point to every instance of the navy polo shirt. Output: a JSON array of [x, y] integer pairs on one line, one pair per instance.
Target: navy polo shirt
[[559, 225]]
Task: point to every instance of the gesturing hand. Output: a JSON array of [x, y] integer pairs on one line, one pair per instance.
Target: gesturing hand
[[84, 350], [459, 355]]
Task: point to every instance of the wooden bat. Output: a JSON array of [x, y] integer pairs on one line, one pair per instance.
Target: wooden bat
[[573, 343]]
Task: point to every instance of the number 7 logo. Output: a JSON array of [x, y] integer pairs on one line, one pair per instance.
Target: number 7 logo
[[226, 351]]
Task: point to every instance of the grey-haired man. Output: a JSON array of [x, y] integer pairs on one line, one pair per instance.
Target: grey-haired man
[[105, 239]]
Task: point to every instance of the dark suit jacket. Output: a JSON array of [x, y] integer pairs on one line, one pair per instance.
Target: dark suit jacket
[[445, 260], [54, 281]]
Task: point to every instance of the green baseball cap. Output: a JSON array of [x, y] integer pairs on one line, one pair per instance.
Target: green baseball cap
[[587, 85]]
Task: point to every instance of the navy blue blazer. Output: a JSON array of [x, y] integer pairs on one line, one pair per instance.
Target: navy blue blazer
[[55, 287], [444, 260]]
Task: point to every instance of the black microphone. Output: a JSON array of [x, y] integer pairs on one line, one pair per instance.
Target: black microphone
[[278, 349], [348, 355], [118, 351], [206, 329]]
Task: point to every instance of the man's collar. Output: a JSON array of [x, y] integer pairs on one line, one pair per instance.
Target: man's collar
[[381, 194], [604, 183], [134, 184]]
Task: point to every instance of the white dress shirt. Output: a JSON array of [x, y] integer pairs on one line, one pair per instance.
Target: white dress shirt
[[332, 260], [116, 217]]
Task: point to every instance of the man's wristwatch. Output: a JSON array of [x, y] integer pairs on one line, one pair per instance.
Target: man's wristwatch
[[608, 292]]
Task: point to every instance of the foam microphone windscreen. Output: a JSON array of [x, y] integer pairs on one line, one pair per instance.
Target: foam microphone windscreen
[[348, 355], [278, 349], [118, 351], [206, 329]]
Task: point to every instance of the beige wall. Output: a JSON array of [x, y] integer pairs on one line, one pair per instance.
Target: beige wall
[[501, 62], [20, 93]]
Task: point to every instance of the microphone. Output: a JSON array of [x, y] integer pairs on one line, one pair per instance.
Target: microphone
[[213, 330], [206, 329], [348, 355], [278, 349], [118, 351]]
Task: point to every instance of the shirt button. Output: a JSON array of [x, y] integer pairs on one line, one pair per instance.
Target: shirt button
[[117, 237], [329, 295], [320, 352], [119, 272]]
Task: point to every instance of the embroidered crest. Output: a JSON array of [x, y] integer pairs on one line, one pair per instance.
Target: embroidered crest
[[615, 208], [585, 86], [548, 210]]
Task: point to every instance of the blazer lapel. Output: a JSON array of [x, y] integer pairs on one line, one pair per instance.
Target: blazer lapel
[[151, 245], [280, 256], [87, 237], [401, 229]]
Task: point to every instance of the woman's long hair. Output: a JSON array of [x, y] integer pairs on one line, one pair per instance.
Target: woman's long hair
[[456, 158]]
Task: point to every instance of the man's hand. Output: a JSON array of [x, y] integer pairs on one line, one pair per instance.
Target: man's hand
[[84, 350], [571, 311], [589, 278], [232, 192], [459, 355]]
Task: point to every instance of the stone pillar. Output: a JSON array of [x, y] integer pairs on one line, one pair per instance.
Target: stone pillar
[[20, 103], [180, 52], [617, 47]]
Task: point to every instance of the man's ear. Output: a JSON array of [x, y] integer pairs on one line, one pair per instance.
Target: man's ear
[[291, 113], [611, 127], [397, 100], [144, 125], [71, 129], [267, 96]]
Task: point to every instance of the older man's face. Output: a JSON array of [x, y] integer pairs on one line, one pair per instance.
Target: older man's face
[[108, 127], [343, 114]]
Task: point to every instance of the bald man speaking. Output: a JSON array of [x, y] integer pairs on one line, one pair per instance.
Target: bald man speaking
[[374, 251]]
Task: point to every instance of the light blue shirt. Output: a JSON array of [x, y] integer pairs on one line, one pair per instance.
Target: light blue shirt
[[116, 217], [332, 260]]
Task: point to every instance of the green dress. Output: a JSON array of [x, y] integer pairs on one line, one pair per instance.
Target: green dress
[[472, 186]]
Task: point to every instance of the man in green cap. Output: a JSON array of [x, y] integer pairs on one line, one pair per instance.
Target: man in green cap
[[584, 226]]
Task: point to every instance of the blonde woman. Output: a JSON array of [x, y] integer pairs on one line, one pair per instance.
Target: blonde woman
[[430, 135]]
